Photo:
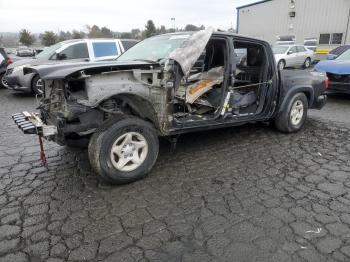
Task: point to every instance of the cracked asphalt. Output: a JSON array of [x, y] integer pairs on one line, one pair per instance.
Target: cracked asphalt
[[237, 194]]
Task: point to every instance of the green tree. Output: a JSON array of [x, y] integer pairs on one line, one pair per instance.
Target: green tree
[[64, 36], [125, 35], [190, 27], [48, 38], [150, 29], [94, 31], [136, 33], [78, 34], [161, 30], [26, 38], [106, 32]]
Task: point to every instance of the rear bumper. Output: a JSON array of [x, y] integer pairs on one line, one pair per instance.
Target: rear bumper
[[338, 88], [30, 123]]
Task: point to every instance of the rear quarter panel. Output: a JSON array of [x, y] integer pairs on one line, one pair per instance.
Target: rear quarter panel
[[301, 81]]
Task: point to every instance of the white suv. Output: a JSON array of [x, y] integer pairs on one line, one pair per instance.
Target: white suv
[[72, 51]]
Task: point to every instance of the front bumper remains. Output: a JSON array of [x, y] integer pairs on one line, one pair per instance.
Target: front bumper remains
[[30, 123]]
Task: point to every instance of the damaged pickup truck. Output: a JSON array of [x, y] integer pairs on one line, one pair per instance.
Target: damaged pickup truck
[[168, 85]]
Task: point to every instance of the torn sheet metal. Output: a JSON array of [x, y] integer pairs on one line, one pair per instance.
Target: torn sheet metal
[[191, 49], [205, 82]]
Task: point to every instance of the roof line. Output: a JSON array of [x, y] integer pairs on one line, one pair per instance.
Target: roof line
[[252, 4]]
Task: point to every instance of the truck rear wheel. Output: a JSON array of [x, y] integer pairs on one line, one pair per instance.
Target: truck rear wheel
[[125, 151], [293, 118]]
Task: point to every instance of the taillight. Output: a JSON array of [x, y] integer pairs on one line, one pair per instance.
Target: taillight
[[9, 61], [326, 83]]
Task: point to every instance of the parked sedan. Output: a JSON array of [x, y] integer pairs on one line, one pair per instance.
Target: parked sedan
[[338, 72], [70, 51], [24, 51], [293, 55], [5, 60]]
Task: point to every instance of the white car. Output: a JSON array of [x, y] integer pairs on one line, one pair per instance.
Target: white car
[[70, 51], [293, 55]]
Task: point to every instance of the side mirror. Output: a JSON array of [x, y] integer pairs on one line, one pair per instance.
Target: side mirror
[[290, 52], [61, 56], [331, 57]]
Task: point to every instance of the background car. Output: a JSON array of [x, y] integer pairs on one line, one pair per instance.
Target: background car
[[77, 50], [337, 52], [293, 55], [311, 43], [5, 60], [24, 51], [338, 73]]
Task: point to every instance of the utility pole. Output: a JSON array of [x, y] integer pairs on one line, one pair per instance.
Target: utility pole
[[347, 29], [173, 20]]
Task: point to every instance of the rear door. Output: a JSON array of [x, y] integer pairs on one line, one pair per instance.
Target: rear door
[[302, 54], [104, 49], [292, 56]]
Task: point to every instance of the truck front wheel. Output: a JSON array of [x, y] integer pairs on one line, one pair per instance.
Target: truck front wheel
[[293, 118], [125, 151]]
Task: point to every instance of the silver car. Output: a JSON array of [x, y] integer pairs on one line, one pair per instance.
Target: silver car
[[293, 55]]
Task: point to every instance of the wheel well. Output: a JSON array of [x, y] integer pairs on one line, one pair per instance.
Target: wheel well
[[132, 105], [308, 96], [32, 80]]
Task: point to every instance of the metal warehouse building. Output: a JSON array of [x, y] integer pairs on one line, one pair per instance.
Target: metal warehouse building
[[325, 20]]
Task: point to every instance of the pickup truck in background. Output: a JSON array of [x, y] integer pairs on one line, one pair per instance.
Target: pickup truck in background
[[168, 85], [70, 51]]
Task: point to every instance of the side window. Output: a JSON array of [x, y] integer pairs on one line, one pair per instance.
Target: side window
[[301, 49], [292, 50], [102, 49], [241, 56], [77, 51], [127, 44]]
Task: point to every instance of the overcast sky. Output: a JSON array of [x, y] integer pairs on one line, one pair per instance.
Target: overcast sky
[[118, 15]]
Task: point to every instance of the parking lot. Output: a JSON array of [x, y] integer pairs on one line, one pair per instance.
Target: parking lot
[[237, 194]]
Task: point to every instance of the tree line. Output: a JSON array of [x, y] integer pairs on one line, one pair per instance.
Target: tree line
[[50, 37]]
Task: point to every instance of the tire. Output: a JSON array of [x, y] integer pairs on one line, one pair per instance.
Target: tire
[[37, 85], [281, 64], [107, 137], [288, 123], [3, 83], [307, 63]]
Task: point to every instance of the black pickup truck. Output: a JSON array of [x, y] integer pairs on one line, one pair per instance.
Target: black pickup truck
[[168, 85]]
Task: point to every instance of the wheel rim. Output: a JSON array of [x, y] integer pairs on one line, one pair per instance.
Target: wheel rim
[[307, 63], [297, 112], [129, 151], [39, 85], [4, 82], [281, 65]]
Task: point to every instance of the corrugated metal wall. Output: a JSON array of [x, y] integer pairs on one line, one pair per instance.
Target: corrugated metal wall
[[313, 17]]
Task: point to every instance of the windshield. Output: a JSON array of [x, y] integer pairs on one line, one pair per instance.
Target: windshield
[[344, 56], [280, 49], [49, 51], [155, 48]]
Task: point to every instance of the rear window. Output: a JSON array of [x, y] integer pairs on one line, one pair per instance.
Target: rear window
[[127, 44], [301, 49], [102, 49]]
